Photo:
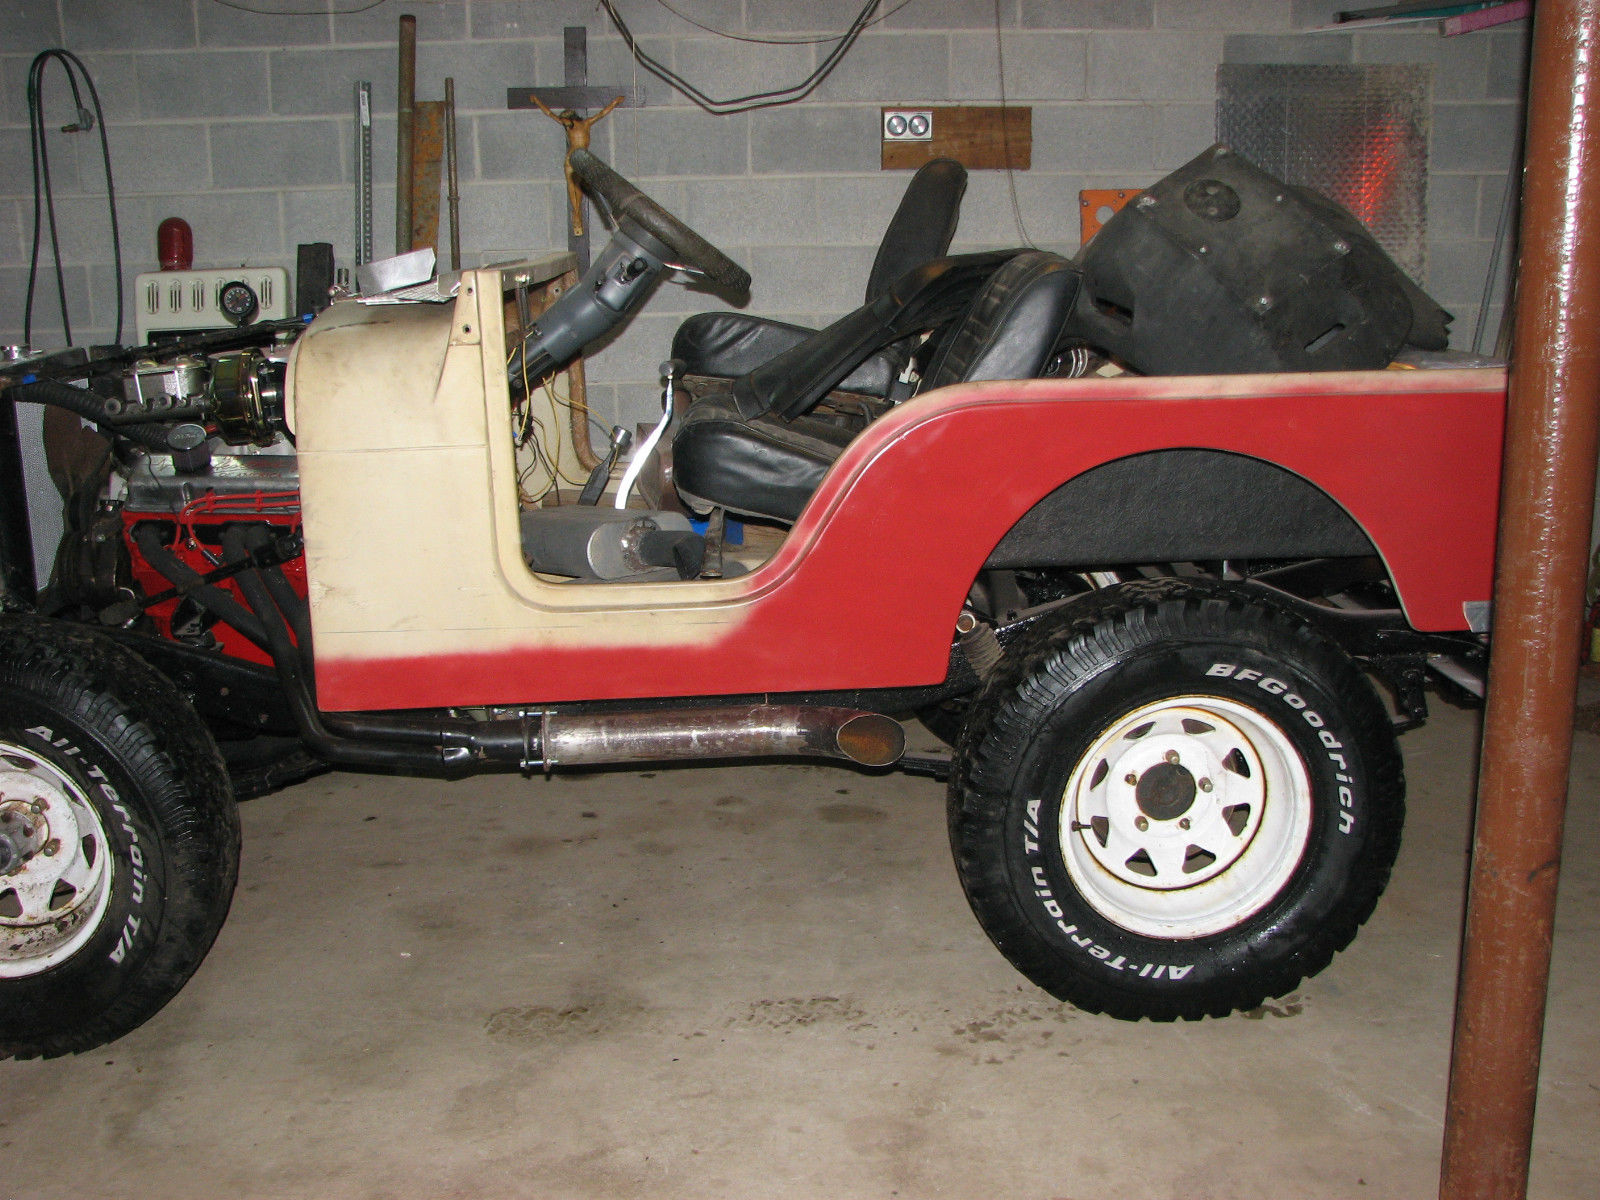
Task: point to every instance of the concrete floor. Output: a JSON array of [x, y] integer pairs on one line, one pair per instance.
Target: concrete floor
[[759, 982]]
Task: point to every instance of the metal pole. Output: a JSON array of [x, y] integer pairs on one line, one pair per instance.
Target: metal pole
[[1547, 493], [452, 181], [363, 173], [404, 115]]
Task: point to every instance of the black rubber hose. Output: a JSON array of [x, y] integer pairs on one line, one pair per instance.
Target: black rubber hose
[[91, 407], [187, 580]]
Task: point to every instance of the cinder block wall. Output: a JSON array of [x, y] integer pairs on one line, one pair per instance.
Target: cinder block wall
[[242, 124]]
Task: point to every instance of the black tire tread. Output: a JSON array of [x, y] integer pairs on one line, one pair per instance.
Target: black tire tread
[[1056, 657], [137, 715]]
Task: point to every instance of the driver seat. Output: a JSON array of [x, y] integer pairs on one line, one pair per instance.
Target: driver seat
[[767, 466], [726, 345]]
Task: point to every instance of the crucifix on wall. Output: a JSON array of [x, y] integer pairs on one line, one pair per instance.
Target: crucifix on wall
[[566, 105]]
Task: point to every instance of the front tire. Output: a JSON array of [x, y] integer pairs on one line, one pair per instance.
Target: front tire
[[1176, 801], [119, 840]]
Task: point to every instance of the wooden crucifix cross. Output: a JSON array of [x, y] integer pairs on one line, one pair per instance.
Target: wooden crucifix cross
[[564, 105]]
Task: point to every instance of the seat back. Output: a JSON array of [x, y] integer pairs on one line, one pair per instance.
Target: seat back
[[1012, 324], [922, 226]]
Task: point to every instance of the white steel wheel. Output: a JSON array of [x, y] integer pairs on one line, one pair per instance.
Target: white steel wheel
[[55, 872], [1173, 799], [1185, 817]]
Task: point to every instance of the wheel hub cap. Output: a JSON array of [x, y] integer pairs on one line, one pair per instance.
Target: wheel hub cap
[[55, 872], [1185, 816]]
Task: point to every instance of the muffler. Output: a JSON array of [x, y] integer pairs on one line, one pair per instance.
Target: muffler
[[688, 734]]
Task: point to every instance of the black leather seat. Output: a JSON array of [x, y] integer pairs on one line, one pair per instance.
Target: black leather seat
[[729, 344], [739, 451]]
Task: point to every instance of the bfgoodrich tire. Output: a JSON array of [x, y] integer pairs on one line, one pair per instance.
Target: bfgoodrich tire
[[1176, 801], [119, 840]]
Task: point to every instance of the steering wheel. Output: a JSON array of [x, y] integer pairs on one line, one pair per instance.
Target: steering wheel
[[628, 205]]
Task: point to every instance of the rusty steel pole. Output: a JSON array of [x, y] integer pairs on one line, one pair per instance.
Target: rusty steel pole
[[1546, 497], [404, 132]]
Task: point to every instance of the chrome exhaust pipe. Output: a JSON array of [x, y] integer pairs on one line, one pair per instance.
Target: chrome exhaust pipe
[[688, 734]]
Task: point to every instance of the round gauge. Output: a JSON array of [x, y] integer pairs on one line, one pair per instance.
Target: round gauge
[[238, 302]]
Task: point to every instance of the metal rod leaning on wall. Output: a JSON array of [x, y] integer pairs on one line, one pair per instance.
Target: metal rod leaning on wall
[[404, 113], [452, 181], [1546, 494]]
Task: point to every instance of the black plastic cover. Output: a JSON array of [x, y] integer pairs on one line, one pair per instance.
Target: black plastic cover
[[1220, 268]]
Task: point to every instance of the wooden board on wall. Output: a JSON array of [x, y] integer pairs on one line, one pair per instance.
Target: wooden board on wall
[[972, 135]]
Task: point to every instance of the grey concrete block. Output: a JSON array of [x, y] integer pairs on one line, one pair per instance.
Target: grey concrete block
[[950, 14], [322, 82], [153, 158], [1453, 206], [854, 209], [1154, 66], [1460, 64], [1492, 202], [891, 68], [690, 143], [1088, 14], [824, 280], [30, 25], [1258, 16], [631, 360], [515, 215], [1078, 138], [128, 25], [1474, 137], [528, 18], [814, 16], [13, 248], [328, 215], [482, 71], [1048, 204], [802, 139], [1318, 49], [755, 212], [437, 21], [727, 70], [277, 154], [656, 20], [115, 79], [219, 25], [1038, 65], [1508, 66], [1457, 270], [103, 288], [1183, 131], [83, 228], [15, 149], [518, 145], [612, 66], [224, 83], [47, 325], [1313, 14], [230, 228]]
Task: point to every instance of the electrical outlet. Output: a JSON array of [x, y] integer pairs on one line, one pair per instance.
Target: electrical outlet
[[908, 125]]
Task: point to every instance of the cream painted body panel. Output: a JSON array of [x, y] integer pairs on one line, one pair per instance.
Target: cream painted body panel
[[408, 487]]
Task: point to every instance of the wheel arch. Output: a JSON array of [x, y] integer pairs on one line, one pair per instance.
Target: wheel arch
[[1180, 505]]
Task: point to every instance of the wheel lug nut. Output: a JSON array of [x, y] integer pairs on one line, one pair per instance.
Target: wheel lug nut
[[49, 848], [1205, 785], [1172, 757], [1141, 823], [1130, 779], [38, 806], [1183, 822]]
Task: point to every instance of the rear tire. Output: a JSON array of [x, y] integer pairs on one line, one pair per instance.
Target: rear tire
[[1176, 801], [118, 834]]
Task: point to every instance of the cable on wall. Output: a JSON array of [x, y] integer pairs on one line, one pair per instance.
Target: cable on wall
[[755, 100], [43, 191], [1005, 128]]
